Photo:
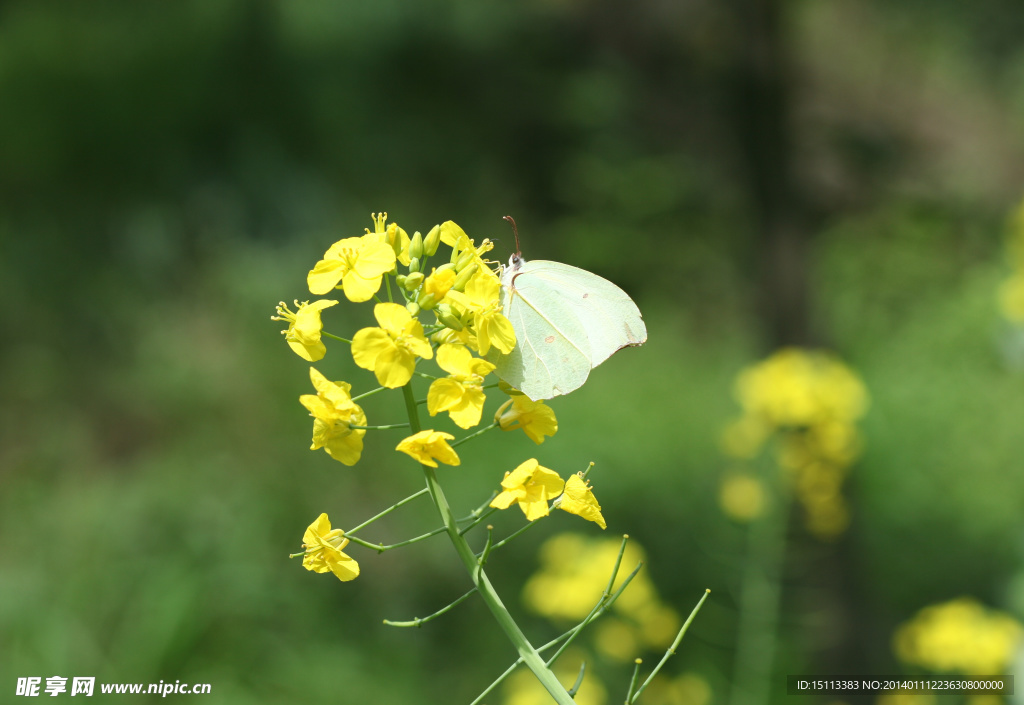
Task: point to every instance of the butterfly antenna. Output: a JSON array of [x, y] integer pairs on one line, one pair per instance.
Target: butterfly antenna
[[515, 232]]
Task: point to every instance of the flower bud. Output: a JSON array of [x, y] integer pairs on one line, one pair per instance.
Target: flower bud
[[464, 276], [412, 281], [414, 264], [400, 280], [413, 307], [416, 246], [427, 301], [447, 316], [432, 240]]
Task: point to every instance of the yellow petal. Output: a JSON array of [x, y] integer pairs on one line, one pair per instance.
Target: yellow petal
[[443, 395], [467, 413], [498, 331], [392, 317], [358, 288], [579, 499], [374, 258], [368, 344], [394, 367], [344, 567], [325, 276], [346, 449], [454, 359], [310, 352]]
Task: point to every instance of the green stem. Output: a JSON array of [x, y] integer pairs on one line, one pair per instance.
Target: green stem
[[387, 283], [336, 337], [381, 428], [393, 507], [378, 390], [380, 548], [760, 596], [483, 584], [471, 436], [422, 620], [603, 604], [672, 649], [512, 535], [633, 681]]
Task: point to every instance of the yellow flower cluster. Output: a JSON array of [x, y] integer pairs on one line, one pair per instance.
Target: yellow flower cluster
[[959, 636], [575, 569], [532, 487], [1011, 293], [808, 403], [461, 302]]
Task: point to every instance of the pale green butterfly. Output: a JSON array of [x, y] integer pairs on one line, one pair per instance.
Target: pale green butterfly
[[567, 322]]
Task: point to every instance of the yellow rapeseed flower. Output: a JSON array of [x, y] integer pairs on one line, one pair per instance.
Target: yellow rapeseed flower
[[304, 327], [531, 486], [959, 636], [334, 413], [461, 394], [324, 547], [391, 350], [356, 265], [426, 446], [796, 388], [536, 418], [483, 298], [579, 500]]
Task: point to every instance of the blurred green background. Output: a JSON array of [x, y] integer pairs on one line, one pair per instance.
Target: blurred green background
[[756, 173]]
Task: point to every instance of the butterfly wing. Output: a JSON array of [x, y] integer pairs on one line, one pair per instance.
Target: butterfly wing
[[567, 321]]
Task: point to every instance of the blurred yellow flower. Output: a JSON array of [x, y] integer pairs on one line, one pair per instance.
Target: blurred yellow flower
[[741, 496], [899, 698], [334, 413], [356, 265], [799, 388], [523, 688], [426, 446], [579, 500], [304, 327], [482, 298], [391, 350], [324, 546], [959, 636], [616, 639], [531, 486], [1011, 297], [536, 418], [808, 403], [461, 394], [574, 571]]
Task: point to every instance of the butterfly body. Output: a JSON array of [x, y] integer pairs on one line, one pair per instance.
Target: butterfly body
[[567, 322]]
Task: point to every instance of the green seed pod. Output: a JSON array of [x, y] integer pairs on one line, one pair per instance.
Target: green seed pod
[[464, 276], [427, 301], [416, 246], [432, 240], [464, 259], [413, 281], [413, 307]]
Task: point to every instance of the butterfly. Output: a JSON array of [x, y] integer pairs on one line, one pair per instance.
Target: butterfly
[[567, 322]]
